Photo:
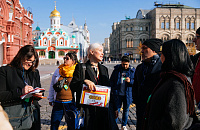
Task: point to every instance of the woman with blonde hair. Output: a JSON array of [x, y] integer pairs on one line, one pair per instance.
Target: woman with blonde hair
[[96, 118]]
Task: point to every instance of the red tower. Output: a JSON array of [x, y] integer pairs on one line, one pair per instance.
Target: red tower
[[15, 29]]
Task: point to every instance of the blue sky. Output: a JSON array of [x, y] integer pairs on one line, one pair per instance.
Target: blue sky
[[99, 14]]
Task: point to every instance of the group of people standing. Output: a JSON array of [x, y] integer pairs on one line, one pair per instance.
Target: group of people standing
[[164, 88]]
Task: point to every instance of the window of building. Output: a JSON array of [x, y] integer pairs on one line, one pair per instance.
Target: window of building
[[45, 42], [129, 42], [131, 28], [141, 28], [53, 40], [147, 29], [41, 53], [126, 29], [162, 25], [165, 38], [167, 25], [61, 53], [192, 25], [177, 25], [188, 25], [61, 42]]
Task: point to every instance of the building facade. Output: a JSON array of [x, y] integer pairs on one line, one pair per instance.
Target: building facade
[[15, 29], [106, 48], [126, 37], [166, 21], [59, 39]]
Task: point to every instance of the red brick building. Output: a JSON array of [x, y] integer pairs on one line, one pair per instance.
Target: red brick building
[[15, 29]]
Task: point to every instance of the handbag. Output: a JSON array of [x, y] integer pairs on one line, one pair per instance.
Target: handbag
[[20, 116], [59, 85], [75, 117]]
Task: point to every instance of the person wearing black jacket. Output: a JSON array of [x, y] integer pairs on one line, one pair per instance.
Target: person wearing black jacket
[[171, 104], [96, 118], [17, 78], [196, 63], [147, 75]]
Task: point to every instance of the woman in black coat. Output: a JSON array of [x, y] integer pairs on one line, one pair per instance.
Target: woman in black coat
[[96, 118], [17, 78], [171, 105]]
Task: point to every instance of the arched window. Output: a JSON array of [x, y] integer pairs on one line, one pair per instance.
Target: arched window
[[192, 23], [162, 22], [178, 37], [177, 24], [11, 10], [167, 23], [165, 38], [129, 42], [61, 53], [45, 41], [187, 22], [61, 42]]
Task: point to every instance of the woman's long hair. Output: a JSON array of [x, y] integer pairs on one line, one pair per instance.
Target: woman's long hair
[[26, 52], [177, 57]]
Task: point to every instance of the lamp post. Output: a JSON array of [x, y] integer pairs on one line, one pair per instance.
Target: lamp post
[[106, 55]]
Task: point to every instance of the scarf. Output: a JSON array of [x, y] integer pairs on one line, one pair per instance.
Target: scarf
[[189, 92], [66, 71]]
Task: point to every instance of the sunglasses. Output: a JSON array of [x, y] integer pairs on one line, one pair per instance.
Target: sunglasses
[[30, 62], [66, 58]]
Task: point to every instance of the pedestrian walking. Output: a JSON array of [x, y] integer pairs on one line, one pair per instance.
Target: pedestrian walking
[[18, 78], [171, 104], [62, 100], [147, 75], [122, 79], [196, 63], [96, 118]]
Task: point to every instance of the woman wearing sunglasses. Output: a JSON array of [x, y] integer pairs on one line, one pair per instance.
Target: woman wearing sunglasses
[[63, 99]]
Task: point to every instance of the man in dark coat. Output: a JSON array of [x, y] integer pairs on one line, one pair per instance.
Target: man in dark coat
[[147, 75], [121, 81], [196, 63]]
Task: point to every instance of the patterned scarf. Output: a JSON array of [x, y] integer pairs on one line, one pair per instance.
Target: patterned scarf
[[66, 71]]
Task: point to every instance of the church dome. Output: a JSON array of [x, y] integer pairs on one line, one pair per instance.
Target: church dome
[[55, 13], [37, 28]]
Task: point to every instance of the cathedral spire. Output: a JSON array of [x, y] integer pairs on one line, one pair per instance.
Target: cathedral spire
[[55, 4]]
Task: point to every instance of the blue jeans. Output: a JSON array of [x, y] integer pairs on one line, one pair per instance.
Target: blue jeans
[[122, 99], [58, 112]]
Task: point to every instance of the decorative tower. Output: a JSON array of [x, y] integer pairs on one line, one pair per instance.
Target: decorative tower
[[87, 33], [73, 39], [55, 18]]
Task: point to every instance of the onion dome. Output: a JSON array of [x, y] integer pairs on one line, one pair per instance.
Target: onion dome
[[55, 13]]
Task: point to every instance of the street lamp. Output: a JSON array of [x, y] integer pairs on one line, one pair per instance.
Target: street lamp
[[106, 54]]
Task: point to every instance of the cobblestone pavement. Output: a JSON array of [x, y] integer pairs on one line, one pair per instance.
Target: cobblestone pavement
[[46, 72]]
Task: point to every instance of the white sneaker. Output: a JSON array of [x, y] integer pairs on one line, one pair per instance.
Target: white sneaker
[[124, 128]]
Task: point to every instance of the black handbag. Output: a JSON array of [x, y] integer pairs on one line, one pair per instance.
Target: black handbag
[[59, 85], [20, 116]]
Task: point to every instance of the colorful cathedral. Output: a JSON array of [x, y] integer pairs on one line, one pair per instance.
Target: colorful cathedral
[[56, 41]]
